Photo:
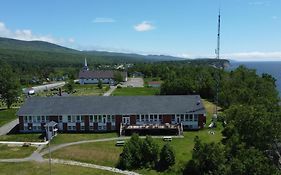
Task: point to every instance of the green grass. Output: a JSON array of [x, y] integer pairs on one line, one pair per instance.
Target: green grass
[[89, 90], [68, 137], [101, 153], [32, 137], [33, 168], [9, 152], [7, 115], [135, 91]]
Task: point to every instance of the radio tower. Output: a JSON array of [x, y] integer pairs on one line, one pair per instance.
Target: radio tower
[[217, 67]]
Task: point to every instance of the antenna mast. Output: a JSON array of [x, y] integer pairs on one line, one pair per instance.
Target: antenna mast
[[217, 71]]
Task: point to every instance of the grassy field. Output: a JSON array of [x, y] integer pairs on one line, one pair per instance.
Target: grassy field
[[135, 91], [7, 115], [32, 137], [33, 168], [68, 137], [9, 152], [101, 153], [89, 90]]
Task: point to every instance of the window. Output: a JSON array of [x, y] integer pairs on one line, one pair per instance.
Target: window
[[38, 119], [91, 118], [138, 117], [47, 118], [108, 118], [100, 118], [151, 118], [82, 128], [146, 118], [91, 128], [34, 119], [34, 128], [155, 118], [69, 118], [160, 118], [142, 118], [82, 118], [182, 117], [95, 118], [173, 118], [74, 128], [43, 118], [195, 117], [60, 119], [25, 128], [25, 119], [77, 118], [113, 119], [190, 117], [100, 128], [29, 119], [69, 128]]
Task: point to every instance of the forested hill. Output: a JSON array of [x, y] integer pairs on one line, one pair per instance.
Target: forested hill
[[43, 53]]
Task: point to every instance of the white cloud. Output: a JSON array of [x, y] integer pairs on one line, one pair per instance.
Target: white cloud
[[27, 35], [144, 26], [103, 20]]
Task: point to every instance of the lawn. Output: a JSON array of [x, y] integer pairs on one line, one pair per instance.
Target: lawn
[[31, 137], [100, 153], [27, 168], [9, 152], [69, 137], [89, 90], [131, 91], [7, 115]]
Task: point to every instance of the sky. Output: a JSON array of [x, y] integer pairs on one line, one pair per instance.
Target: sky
[[250, 29]]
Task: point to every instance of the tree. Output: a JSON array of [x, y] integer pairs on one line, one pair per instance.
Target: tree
[[9, 84], [150, 152], [117, 76], [100, 84], [206, 159], [167, 157], [70, 86]]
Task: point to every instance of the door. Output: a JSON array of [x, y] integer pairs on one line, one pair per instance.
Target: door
[[126, 120]]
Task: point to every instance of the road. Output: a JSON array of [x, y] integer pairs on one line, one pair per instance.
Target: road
[[8, 127], [42, 88]]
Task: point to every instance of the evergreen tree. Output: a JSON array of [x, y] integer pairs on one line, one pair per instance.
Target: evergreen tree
[[9, 84], [167, 157], [100, 84], [150, 152]]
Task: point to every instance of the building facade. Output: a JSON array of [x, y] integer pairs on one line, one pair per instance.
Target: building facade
[[101, 114], [87, 76]]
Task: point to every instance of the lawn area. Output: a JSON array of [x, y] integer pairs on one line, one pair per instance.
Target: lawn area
[[31, 137], [138, 91], [28, 168], [100, 153], [89, 89], [7, 115], [69, 137], [9, 152]]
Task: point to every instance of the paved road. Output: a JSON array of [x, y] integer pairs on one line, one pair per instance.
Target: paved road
[[5, 129], [108, 93]]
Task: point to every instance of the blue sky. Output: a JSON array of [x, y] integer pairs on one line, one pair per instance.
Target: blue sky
[[251, 29]]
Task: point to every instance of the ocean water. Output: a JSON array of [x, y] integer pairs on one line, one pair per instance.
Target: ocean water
[[271, 67]]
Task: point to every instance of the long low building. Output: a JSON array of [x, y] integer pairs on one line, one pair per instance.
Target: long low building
[[101, 113]]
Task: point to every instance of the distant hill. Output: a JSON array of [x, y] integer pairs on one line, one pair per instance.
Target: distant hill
[[40, 54]]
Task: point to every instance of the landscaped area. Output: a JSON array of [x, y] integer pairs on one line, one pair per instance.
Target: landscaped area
[[10, 152], [135, 91], [28, 168], [7, 115]]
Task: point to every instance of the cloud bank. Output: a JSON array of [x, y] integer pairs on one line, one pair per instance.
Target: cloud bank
[[28, 35]]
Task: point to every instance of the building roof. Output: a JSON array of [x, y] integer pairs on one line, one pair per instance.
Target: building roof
[[112, 105], [85, 74]]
